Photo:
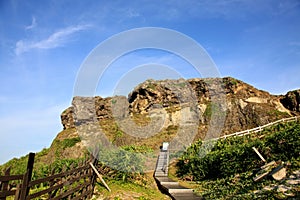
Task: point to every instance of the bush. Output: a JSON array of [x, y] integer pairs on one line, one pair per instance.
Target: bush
[[69, 142], [124, 164], [235, 155]]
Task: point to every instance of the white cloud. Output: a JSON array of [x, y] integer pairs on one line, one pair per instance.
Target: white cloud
[[131, 13], [55, 40], [32, 25]]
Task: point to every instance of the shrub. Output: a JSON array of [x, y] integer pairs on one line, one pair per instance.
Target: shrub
[[235, 155]]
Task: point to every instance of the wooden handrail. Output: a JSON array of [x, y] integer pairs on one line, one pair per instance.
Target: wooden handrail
[[259, 128]]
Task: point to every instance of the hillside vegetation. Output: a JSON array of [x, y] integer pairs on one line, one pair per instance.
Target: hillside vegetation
[[227, 171]]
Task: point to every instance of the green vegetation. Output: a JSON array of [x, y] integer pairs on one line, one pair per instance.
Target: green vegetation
[[226, 172], [278, 113], [141, 119], [151, 86], [138, 148], [213, 108], [69, 142], [182, 84], [124, 165], [17, 165], [40, 170], [130, 190], [230, 81], [123, 168], [119, 138], [113, 101], [120, 175], [61, 145], [234, 82]]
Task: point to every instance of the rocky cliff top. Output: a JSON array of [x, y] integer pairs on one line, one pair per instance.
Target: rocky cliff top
[[243, 107]]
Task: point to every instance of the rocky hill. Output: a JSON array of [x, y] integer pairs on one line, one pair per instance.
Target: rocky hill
[[242, 107], [187, 108]]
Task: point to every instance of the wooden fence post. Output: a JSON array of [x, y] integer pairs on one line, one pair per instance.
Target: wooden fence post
[[17, 195], [4, 185], [99, 176], [94, 160], [257, 152], [27, 177]]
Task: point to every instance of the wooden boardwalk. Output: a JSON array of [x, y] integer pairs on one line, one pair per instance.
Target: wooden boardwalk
[[169, 186]]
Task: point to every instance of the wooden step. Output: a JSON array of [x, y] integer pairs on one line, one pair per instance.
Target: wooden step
[[161, 174], [166, 181], [172, 188], [186, 196]]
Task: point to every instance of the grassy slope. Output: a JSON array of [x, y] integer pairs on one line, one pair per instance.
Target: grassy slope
[[58, 156], [231, 178], [143, 189], [227, 171]]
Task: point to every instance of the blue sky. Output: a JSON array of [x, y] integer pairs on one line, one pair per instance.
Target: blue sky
[[43, 44]]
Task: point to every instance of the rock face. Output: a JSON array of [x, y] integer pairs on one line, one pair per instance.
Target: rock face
[[67, 119], [292, 100], [102, 110], [241, 105]]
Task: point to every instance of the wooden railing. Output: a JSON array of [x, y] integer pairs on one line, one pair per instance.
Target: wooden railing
[[77, 183], [260, 128], [7, 189]]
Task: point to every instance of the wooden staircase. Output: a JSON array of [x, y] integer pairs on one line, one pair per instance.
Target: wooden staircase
[[167, 185]]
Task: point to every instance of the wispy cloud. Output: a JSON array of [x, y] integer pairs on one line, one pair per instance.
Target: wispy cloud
[[55, 40], [32, 25]]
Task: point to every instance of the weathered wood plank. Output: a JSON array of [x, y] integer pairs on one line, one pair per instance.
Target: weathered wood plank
[[257, 152], [257, 178], [56, 176], [59, 186], [11, 178], [18, 192], [62, 185], [100, 177], [83, 195], [40, 193], [4, 184], [65, 194], [4, 194]]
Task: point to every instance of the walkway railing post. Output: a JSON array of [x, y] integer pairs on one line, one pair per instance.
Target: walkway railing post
[[27, 177]]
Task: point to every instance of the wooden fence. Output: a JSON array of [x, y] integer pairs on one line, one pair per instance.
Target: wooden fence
[[260, 128], [77, 183]]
